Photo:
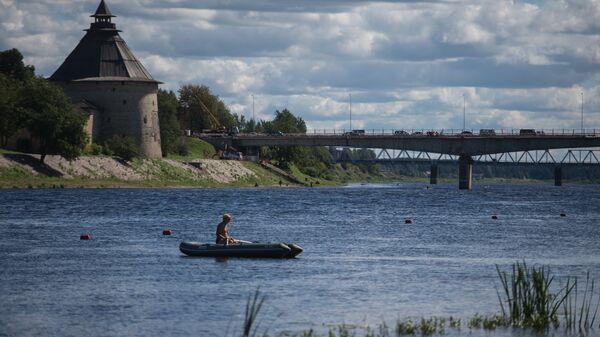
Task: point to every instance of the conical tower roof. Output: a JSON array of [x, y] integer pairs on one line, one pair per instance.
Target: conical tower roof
[[102, 10], [102, 55]]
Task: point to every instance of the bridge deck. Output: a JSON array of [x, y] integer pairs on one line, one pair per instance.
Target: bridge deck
[[454, 144]]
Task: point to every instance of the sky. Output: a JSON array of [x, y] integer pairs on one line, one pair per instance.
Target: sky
[[403, 64]]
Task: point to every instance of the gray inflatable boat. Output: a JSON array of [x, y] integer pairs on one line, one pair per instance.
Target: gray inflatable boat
[[253, 249]]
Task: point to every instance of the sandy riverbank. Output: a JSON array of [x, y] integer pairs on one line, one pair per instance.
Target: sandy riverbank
[[24, 170]]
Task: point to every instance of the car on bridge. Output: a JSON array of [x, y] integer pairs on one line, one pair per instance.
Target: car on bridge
[[527, 132], [401, 133], [417, 133], [487, 132], [354, 133], [432, 133]]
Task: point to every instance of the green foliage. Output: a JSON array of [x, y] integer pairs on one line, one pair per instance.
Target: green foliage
[[200, 109], [123, 147], [13, 74], [285, 122], [10, 90], [194, 148], [170, 131], [253, 306], [314, 161], [532, 303], [51, 119], [95, 150], [11, 65]]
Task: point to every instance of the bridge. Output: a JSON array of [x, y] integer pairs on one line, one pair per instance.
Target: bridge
[[463, 144]]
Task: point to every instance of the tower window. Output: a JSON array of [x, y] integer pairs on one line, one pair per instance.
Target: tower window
[[124, 101], [145, 120]]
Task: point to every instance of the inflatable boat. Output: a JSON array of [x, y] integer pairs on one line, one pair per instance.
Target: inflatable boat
[[250, 249]]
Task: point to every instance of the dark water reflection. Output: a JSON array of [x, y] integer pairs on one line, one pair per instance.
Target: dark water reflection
[[362, 264]]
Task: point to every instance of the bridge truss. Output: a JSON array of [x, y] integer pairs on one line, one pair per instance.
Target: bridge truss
[[581, 157]]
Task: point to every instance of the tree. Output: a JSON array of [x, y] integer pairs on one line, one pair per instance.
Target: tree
[[285, 122], [123, 147], [200, 109], [170, 131], [50, 118], [11, 64], [10, 89], [314, 161], [13, 73]]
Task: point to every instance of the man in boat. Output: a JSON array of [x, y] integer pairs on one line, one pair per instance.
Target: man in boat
[[223, 232]]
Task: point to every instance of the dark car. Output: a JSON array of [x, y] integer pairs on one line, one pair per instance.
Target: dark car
[[401, 133], [527, 132], [487, 132], [432, 133], [417, 133], [466, 133]]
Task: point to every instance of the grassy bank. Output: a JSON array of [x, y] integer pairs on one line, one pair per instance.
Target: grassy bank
[[171, 177]]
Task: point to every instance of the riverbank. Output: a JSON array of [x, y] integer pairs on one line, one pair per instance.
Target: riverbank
[[20, 170]]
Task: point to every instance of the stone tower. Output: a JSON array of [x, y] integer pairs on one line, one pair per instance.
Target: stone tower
[[102, 72]]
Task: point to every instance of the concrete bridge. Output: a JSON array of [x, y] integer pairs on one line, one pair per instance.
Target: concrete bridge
[[465, 145]]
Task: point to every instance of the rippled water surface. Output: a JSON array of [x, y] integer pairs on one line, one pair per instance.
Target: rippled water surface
[[362, 264]]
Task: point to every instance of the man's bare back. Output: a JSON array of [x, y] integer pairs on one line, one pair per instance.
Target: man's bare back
[[223, 232]]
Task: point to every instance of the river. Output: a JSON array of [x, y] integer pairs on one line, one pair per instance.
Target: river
[[362, 263]]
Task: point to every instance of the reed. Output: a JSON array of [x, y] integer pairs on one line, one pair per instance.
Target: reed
[[527, 299], [531, 301], [253, 306], [581, 316]]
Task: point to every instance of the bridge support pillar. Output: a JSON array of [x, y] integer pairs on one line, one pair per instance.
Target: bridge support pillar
[[252, 153], [465, 172], [558, 176], [433, 176]]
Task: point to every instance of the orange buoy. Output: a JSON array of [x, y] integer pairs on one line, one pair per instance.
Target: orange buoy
[[407, 221], [495, 217], [85, 236], [167, 232]]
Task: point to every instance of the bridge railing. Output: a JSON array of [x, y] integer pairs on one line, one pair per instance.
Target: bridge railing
[[457, 132]]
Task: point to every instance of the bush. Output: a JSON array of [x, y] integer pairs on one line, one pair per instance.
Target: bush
[[95, 149], [123, 147], [183, 148]]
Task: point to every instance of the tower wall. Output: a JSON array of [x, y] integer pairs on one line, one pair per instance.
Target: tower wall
[[129, 108]]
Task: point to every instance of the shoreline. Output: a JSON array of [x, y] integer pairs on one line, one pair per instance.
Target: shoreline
[[19, 170]]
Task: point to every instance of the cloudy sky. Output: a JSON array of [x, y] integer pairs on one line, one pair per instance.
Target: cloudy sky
[[406, 64]]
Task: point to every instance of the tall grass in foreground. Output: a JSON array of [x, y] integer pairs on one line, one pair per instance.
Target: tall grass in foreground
[[528, 300], [531, 302], [253, 306]]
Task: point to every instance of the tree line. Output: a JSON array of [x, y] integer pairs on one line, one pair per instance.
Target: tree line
[[29, 102], [196, 109]]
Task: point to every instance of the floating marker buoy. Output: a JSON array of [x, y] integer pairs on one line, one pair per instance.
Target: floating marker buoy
[[563, 214], [495, 217], [407, 221], [167, 232], [85, 237]]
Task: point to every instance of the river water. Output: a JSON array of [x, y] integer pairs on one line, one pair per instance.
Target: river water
[[361, 265]]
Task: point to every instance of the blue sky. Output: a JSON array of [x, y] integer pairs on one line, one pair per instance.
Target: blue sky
[[407, 64]]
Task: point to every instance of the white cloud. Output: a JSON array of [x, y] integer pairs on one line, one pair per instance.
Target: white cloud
[[407, 64]]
